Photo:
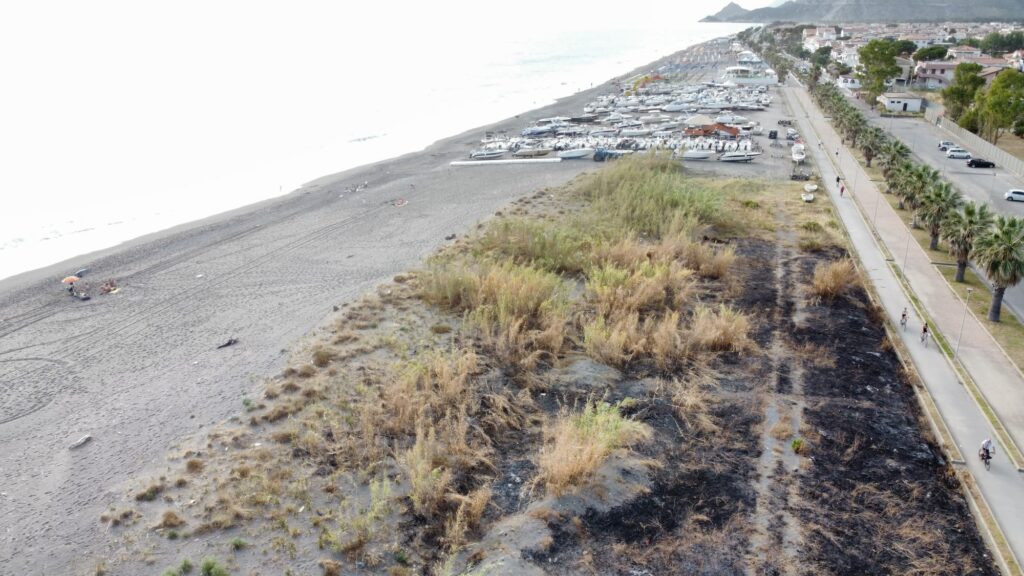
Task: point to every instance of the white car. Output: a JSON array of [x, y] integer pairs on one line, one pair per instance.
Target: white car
[[1014, 195], [958, 153]]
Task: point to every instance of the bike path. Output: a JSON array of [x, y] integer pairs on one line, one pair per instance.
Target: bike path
[[1001, 486]]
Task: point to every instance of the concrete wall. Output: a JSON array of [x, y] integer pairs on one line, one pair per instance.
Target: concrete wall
[[971, 141]]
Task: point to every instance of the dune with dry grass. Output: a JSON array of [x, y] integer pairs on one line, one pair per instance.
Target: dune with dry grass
[[579, 387]]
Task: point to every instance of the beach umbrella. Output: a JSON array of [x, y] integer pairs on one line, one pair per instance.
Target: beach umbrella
[[71, 279]]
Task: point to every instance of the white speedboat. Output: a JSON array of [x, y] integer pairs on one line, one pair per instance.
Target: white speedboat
[[698, 154], [575, 153], [487, 154], [634, 132], [809, 188], [807, 197], [798, 155], [738, 156]]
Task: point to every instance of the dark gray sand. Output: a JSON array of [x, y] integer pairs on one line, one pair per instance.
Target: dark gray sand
[[140, 369]]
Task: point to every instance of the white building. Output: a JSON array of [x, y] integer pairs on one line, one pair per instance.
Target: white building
[[900, 102], [848, 82]]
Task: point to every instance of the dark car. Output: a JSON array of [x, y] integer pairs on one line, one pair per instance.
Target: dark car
[[980, 163]]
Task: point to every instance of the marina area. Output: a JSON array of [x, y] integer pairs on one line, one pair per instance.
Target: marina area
[[714, 107]]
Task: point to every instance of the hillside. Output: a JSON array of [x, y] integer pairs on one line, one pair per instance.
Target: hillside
[[871, 11]]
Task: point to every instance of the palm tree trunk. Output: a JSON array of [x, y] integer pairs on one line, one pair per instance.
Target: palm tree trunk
[[934, 244], [997, 303], [961, 269]]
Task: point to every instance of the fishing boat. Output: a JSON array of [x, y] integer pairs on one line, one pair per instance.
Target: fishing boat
[[575, 153], [738, 156], [531, 152], [698, 154], [487, 154]]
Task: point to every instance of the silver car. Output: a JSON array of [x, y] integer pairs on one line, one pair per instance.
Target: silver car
[[1014, 195], [958, 153]]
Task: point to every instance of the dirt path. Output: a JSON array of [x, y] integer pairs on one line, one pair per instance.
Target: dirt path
[[776, 537]]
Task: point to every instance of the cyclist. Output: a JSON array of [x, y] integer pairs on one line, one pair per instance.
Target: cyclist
[[986, 451]]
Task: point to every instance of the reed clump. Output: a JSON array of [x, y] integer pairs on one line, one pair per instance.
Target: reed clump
[[577, 444], [833, 279]]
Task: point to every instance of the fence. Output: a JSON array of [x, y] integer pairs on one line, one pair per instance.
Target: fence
[[1002, 158]]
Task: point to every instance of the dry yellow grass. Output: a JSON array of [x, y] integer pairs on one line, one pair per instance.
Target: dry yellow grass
[[429, 479], [832, 279], [578, 443], [719, 330], [693, 406]]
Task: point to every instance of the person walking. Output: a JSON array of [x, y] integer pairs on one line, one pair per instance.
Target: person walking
[[925, 334], [842, 190], [903, 319]]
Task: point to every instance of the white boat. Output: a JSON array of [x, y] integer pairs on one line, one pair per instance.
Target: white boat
[[810, 188], [698, 154], [487, 154], [798, 155], [604, 132], [531, 152], [575, 153], [634, 132], [807, 197], [738, 156]]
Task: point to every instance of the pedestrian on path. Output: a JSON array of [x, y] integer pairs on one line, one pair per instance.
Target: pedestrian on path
[[842, 190], [837, 152], [903, 319], [925, 334]]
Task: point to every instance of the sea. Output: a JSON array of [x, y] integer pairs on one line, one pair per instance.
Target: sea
[[119, 119]]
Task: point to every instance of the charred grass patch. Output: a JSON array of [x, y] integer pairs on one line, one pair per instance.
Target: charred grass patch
[[574, 388]]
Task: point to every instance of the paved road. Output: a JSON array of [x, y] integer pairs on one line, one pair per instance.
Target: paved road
[[1002, 485], [979, 184]]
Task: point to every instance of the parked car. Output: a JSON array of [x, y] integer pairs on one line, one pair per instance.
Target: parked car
[[946, 145], [980, 163], [1015, 195], [958, 153]]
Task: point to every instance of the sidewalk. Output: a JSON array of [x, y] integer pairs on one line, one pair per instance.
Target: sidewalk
[[999, 381]]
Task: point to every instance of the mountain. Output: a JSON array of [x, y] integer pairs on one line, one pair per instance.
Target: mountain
[[873, 11]]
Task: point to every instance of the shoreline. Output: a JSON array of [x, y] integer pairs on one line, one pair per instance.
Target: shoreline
[[138, 371]]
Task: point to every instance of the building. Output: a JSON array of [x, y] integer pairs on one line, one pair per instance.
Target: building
[[900, 102], [959, 52], [937, 74], [906, 71], [848, 82]]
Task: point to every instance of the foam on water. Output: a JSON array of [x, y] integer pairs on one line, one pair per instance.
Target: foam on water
[[123, 131]]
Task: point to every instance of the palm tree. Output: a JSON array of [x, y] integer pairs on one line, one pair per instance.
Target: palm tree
[[919, 181], [871, 141], [1001, 253], [961, 229], [938, 202], [855, 127], [890, 155]]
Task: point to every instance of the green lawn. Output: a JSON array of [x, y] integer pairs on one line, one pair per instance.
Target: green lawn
[[1009, 332]]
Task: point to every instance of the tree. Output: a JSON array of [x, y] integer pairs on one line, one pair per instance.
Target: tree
[[877, 66], [905, 47], [938, 203], [821, 56], [930, 53], [1000, 252], [961, 229], [871, 142], [890, 155], [1003, 104], [962, 90]]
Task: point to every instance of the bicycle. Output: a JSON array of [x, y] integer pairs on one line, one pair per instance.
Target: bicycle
[[986, 458], [924, 338]]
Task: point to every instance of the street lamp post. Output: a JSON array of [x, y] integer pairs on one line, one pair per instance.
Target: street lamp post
[[906, 251], [962, 320]]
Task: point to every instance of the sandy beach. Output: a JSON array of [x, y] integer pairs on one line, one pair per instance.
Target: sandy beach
[[140, 369]]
